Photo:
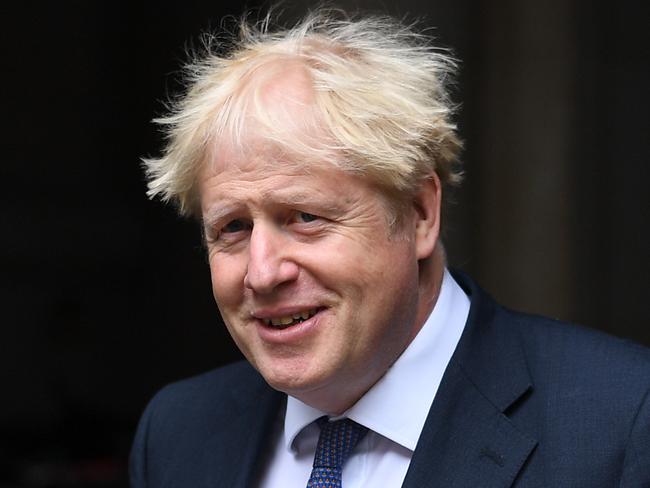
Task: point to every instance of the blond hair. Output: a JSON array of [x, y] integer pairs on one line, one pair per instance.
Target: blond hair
[[380, 96]]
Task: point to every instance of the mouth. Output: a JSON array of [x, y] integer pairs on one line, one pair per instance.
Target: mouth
[[287, 321]]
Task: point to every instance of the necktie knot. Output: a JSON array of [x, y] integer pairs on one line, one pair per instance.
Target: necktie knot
[[335, 443]]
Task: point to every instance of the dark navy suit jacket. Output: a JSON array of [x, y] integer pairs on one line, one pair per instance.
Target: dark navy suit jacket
[[525, 401]]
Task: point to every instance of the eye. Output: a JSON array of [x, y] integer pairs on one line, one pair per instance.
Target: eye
[[236, 225], [306, 217]]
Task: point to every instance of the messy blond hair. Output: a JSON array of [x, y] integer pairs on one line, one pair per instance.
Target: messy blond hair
[[380, 96]]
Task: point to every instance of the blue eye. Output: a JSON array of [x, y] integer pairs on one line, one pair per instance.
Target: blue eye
[[236, 225], [307, 217]]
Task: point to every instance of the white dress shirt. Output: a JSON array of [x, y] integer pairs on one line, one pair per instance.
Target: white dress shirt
[[394, 409]]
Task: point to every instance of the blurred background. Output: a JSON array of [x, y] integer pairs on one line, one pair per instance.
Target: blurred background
[[106, 296]]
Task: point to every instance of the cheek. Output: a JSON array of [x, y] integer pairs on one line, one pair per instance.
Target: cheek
[[370, 282], [227, 275], [391, 278], [385, 262]]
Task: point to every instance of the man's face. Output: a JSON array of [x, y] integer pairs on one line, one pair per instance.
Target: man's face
[[315, 290]]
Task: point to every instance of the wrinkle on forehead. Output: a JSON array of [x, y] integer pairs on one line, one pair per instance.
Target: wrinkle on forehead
[[284, 185]]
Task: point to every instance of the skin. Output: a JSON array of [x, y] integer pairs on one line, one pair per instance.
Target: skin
[[282, 241]]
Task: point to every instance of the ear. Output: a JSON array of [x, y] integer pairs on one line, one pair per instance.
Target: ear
[[427, 204]]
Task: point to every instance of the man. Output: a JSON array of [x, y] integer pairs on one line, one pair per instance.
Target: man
[[316, 158]]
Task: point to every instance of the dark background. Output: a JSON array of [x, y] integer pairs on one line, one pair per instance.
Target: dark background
[[105, 295]]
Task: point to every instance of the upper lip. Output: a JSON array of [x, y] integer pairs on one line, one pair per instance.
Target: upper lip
[[284, 311]]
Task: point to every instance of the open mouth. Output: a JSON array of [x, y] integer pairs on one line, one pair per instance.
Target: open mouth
[[290, 320]]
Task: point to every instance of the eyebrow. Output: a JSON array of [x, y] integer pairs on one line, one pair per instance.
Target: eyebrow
[[291, 198]]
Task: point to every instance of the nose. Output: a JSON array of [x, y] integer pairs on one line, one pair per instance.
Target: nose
[[269, 264]]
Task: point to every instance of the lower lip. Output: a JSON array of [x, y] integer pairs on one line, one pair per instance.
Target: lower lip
[[293, 333]]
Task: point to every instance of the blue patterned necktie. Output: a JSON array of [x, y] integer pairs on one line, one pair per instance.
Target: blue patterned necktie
[[335, 443]]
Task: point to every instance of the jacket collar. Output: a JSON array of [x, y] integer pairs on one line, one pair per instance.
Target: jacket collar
[[468, 439]]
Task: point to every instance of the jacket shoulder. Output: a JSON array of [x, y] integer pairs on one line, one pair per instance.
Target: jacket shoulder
[[189, 422], [561, 350], [589, 405], [212, 390]]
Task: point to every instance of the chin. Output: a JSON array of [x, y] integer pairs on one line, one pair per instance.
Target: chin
[[296, 380]]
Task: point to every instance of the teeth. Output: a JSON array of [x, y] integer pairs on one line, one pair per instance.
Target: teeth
[[283, 322]]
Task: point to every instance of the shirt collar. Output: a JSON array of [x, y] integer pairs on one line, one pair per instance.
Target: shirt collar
[[397, 405]]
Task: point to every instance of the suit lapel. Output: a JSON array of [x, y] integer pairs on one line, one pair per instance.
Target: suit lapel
[[468, 440]]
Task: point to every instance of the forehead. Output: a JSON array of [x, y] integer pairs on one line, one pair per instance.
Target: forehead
[[267, 178]]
